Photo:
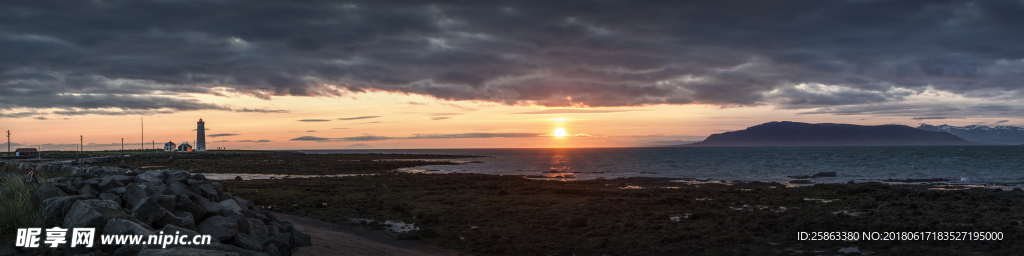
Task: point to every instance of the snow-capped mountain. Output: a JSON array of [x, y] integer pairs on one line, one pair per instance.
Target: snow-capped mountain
[[998, 135]]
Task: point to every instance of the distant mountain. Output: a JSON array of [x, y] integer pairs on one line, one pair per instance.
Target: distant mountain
[[998, 135], [805, 134]]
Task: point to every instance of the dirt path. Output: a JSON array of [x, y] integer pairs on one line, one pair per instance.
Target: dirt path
[[334, 239]]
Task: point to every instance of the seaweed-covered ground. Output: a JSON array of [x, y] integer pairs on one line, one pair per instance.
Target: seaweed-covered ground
[[274, 162], [511, 215]]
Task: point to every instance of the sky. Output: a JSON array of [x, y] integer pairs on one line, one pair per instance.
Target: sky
[[458, 74]]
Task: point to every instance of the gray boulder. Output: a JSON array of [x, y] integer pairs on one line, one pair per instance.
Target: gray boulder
[[113, 181], [151, 177], [110, 196], [55, 208], [258, 229], [167, 201], [92, 213], [219, 227], [134, 195], [206, 190], [211, 208], [92, 181], [149, 211], [171, 229], [89, 190], [231, 206], [47, 191], [179, 188], [178, 218], [248, 242], [117, 190], [176, 175], [126, 226], [155, 189], [185, 203]]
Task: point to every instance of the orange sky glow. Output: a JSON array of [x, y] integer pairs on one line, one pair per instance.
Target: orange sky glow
[[380, 120]]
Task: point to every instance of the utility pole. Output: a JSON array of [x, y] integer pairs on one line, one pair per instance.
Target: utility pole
[[81, 146], [8, 142], [122, 144]]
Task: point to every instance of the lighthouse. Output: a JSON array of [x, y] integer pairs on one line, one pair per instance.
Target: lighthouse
[[200, 136]]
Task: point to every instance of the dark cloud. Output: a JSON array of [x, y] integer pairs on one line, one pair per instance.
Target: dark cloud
[[223, 135], [358, 118], [314, 120], [442, 116], [926, 109], [10, 114], [109, 112], [358, 138], [573, 111], [254, 141], [365, 138], [257, 110], [243, 141], [932, 118], [78, 54], [819, 95], [421, 136], [310, 138]]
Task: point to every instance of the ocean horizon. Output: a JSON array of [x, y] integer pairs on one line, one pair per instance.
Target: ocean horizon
[[952, 164]]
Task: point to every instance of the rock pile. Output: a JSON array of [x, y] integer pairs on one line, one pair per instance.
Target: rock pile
[[127, 201]]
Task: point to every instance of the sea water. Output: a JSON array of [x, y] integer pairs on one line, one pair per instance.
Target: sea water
[[957, 164]]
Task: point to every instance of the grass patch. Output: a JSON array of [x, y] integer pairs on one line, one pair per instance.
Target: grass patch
[[18, 207]]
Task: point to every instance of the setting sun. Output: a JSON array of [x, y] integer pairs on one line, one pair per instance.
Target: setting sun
[[560, 133]]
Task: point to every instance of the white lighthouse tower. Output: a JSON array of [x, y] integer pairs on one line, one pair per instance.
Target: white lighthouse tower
[[200, 136]]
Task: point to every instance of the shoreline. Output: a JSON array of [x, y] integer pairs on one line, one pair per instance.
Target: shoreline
[[513, 215]]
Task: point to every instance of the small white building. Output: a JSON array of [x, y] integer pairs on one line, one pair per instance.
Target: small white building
[[185, 147], [26, 153], [170, 146]]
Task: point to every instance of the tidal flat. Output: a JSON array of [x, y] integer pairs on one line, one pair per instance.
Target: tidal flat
[[482, 214], [512, 215]]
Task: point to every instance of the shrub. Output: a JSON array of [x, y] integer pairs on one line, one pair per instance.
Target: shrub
[[18, 207]]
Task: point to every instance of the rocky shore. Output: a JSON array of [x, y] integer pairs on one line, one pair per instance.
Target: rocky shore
[[129, 201]]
